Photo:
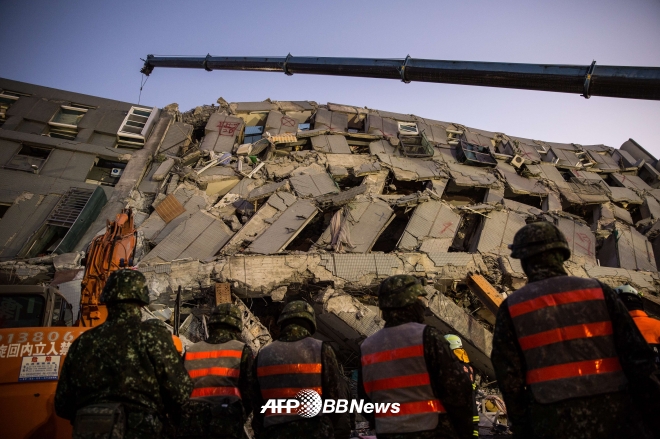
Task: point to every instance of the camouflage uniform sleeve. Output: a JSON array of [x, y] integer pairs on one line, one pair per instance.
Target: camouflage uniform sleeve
[[246, 379], [173, 379], [65, 395], [449, 381], [333, 389], [510, 372], [637, 359]]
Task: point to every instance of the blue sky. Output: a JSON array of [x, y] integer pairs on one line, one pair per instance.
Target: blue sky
[[95, 47]]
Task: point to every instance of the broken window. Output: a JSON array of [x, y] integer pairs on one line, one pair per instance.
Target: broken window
[[29, 158], [136, 126], [105, 172], [402, 187], [475, 155], [64, 124], [467, 232], [463, 196], [253, 133], [529, 200], [413, 142]]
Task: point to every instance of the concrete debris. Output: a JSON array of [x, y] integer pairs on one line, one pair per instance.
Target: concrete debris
[[284, 199]]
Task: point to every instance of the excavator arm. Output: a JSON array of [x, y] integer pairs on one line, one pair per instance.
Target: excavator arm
[[108, 252]]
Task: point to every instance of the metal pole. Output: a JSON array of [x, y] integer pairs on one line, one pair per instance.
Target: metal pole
[[586, 80]]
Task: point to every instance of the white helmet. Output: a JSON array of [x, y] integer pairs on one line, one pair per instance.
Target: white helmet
[[627, 289], [454, 341]]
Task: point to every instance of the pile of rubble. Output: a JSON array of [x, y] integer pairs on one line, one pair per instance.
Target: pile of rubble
[[274, 200]]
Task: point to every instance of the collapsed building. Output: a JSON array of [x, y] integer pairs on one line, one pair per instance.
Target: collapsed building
[[276, 200]]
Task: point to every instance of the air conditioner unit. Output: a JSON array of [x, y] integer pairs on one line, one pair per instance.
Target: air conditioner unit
[[116, 172], [517, 161]]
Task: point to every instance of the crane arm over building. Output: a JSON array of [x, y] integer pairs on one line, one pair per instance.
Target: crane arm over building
[[586, 80]]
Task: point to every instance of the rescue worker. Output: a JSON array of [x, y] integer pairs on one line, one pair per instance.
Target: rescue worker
[[648, 326], [456, 346], [123, 361], [221, 369], [296, 362], [568, 358], [410, 363]]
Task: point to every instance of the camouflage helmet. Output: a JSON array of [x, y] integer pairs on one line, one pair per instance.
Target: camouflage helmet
[[227, 313], [125, 286], [399, 291], [298, 309], [538, 237]]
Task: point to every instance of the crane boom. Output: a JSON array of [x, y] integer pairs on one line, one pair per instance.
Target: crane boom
[[587, 80]]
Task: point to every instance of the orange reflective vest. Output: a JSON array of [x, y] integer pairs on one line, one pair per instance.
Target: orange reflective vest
[[650, 329], [565, 332], [286, 368], [394, 371], [215, 370]]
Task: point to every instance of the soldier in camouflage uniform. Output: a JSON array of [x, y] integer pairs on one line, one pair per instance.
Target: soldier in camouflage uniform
[[568, 358], [221, 368], [410, 363], [294, 362], [127, 361]]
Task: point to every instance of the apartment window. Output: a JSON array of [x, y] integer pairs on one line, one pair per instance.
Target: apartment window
[[408, 129], [29, 158], [6, 100], [64, 125], [136, 126], [252, 134], [475, 155]]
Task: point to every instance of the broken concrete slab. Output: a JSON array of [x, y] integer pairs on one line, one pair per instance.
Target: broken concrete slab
[[412, 169], [278, 123], [267, 190], [464, 175], [200, 237], [340, 199], [627, 248], [284, 229], [497, 231], [431, 228], [450, 318], [518, 184], [332, 144], [163, 169], [581, 239], [222, 133], [358, 226], [313, 185], [260, 221], [333, 121]]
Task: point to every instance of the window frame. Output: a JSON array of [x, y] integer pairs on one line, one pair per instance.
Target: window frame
[[18, 153]]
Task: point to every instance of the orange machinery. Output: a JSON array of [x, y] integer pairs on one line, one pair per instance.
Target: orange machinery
[[107, 253], [37, 329]]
